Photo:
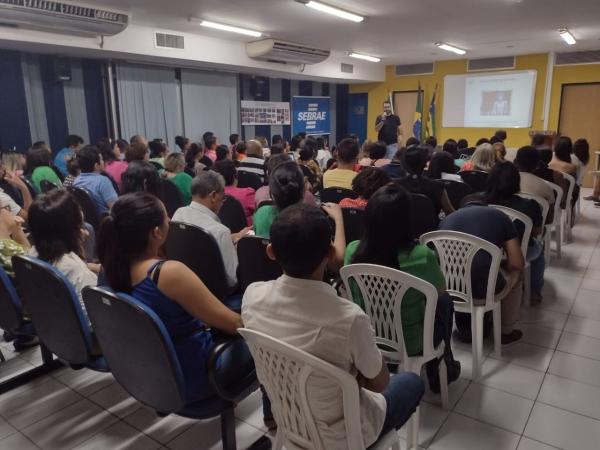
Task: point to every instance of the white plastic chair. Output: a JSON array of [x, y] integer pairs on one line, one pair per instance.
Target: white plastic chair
[[567, 231], [556, 225], [456, 252], [528, 223], [284, 371], [382, 290]]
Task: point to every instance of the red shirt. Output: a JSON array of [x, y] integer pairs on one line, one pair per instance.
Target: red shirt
[[246, 197], [358, 203]]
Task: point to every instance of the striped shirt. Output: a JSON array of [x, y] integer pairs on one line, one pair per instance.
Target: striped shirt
[[253, 164]]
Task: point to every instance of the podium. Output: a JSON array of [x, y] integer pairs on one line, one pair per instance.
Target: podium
[[549, 136]]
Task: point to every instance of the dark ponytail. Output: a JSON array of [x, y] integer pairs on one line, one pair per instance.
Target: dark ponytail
[[124, 235], [181, 142], [286, 185]]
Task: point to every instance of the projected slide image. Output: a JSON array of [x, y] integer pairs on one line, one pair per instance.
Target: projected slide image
[[496, 103]]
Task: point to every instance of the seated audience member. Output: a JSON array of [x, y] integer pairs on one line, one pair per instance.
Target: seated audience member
[[496, 227], [39, 168], [183, 143], [483, 158], [254, 161], [265, 146], [73, 170], [527, 161], [138, 139], [193, 159], [499, 151], [208, 191], [395, 169], [141, 176], [174, 172], [244, 195], [414, 163], [234, 139], [57, 232], [13, 161], [277, 139], [431, 142], [545, 172], [502, 189], [323, 153], [72, 144], [365, 184], [481, 142], [495, 140], [306, 159], [376, 156], [99, 187], [451, 147], [210, 147], [389, 241], [12, 238], [462, 145], [412, 141], [580, 158], [111, 154], [7, 201], [442, 167], [129, 247], [501, 135], [223, 153], [562, 157], [240, 151], [286, 185], [346, 160], [264, 193], [303, 311], [277, 149], [158, 151], [137, 152]]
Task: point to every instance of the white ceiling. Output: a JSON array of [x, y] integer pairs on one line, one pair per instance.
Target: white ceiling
[[399, 31]]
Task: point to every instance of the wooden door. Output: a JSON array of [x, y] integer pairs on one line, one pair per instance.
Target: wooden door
[[580, 118], [404, 107]]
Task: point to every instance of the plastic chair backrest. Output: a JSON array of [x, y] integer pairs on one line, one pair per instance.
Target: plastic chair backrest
[[11, 313], [51, 302], [172, 197], [383, 289], [336, 194], [264, 203], [249, 179], [558, 192], [232, 214], [524, 219], [456, 191], [354, 223], [138, 349], [477, 179], [572, 183], [425, 218], [253, 262], [456, 252], [90, 212], [284, 371], [199, 251], [47, 186], [541, 201]]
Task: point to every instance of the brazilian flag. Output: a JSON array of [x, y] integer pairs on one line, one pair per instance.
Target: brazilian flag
[[418, 122], [431, 122]]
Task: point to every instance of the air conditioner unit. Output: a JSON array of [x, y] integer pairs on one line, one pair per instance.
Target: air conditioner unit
[[285, 52], [60, 17]]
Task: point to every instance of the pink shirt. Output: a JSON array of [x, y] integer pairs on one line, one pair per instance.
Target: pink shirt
[[246, 197], [115, 169], [212, 154]]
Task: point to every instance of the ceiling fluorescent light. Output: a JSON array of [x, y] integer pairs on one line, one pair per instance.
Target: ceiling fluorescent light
[[334, 11], [365, 57], [567, 36], [232, 29], [451, 48]]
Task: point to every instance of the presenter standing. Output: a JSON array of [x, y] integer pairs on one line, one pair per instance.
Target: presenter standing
[[387, 126]]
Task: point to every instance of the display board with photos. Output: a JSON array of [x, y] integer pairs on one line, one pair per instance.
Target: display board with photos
[[265, 113]]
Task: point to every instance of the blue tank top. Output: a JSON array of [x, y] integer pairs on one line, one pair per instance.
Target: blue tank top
[[192, 341]]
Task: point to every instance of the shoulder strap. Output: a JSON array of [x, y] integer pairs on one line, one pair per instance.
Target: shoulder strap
[[154, 271]]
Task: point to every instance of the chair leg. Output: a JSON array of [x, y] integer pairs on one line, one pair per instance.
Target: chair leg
[[412, 430], [2, 358], [443, 371], [497, 318], [477, 338], [527, 285], [228, 430], [547, 242], [558, 242]]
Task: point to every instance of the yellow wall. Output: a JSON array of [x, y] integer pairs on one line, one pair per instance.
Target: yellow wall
[[378, 92]]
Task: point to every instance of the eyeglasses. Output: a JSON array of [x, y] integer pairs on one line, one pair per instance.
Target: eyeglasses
[[5, 207]]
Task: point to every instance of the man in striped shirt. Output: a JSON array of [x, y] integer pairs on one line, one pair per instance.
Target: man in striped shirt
[[254, 162]]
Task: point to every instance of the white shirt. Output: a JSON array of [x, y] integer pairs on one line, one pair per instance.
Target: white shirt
[[322, 157], [311, 316], [6, 199], [580, 169], [200, 216], [451, 176]]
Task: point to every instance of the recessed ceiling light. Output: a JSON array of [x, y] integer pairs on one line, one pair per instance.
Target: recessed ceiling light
[[450, 48], [567, 36], [332, 10], [230, 28], [365, 57]]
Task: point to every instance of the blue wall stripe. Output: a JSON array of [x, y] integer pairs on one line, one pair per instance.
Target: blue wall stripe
[[264, 130], [286, 93], [14, 122], [342, 92], [94, 99], [325, 89], [54, 99], [305, 88]]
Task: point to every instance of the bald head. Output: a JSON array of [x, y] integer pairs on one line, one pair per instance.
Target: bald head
[[254, 148]]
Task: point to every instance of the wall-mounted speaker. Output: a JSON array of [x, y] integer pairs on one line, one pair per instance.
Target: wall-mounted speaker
[[62, 69], [258, 88]]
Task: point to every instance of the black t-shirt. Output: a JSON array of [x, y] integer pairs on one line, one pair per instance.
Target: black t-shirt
[[389, 131], [489, 224]]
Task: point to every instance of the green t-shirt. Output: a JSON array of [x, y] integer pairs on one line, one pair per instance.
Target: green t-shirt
[[44, 173], [263, 218], [184, 182], [420, 262]]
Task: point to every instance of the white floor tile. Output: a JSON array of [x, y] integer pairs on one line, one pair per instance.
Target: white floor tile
[[496, 408], [511, 378], [85, 381], [161, 429], [562, 429], [567, 394], [115, 400], [592, 283], [466, 363], [119, 436], [455, 392], [542, 336], [527, 355], [250, 411], [13, 366], [542, 318], [206, 435], [578, 344], [463, 433], [6, 429], [580, 325], [17, 441], [576, 368], [430, 421], [530, 444], [587, 305]]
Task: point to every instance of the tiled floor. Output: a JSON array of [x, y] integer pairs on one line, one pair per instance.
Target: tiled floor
[[542, 394]]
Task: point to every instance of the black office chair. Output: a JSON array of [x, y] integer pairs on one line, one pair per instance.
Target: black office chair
[[90, 211], [336, 194], [232, 214], [476, 179], [112, 181], [354, 223], [425, 218], [12, 192], [253, 262], [172, 197], [199, 251], [249, 179], [143, 360], [56, 313], [456, 191], [46, 186], [264, 203]]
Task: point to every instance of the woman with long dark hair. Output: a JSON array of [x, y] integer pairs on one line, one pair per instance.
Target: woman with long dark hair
[[563, 148], [141, 176], [113, 164]]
